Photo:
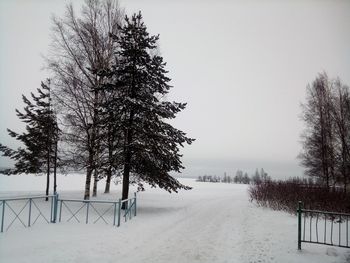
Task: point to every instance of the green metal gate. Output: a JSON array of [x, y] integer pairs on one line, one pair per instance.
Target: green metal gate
[[321, 227]]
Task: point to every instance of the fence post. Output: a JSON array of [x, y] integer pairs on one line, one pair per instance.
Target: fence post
[[130, 207], [119, 208], [125, 208], [87, 212], [3, 215], [115, 212], [30, 211], [135, 204], [299, 224], [61, 211], [55, 206], [51, 211]]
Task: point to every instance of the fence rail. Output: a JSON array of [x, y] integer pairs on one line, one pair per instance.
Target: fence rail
[[27, 210], [322, 227]]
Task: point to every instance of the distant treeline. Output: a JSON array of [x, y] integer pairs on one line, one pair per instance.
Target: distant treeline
[[240, 178]]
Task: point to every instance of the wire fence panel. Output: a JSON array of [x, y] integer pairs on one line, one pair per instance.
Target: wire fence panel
[[88, 211], [321, 227], [25, 211], [28, 211], [96, 211]]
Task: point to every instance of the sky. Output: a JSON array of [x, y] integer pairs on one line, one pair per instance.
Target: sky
[[242, 67]]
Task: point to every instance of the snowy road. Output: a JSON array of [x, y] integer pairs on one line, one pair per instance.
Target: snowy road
[[211, 223]]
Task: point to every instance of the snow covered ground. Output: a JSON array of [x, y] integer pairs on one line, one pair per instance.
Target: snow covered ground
[[211, 223]]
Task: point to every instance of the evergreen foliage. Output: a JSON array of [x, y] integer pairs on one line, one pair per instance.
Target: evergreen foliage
[[150, 145], [40, 138]]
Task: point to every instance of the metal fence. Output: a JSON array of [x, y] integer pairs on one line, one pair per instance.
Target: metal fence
[[321, 227], [109, 212], [26, 211]]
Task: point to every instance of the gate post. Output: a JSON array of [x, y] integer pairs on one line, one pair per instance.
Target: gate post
[[135, 204], [55, 206], [87, 211], [59, 220], [119, 207], [30, 211], [299, 223], [3, 216], [115, 213]]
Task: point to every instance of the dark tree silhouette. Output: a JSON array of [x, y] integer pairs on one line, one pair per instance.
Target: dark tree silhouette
[[340, 112], [39, 151], [326, 139], [81, 47], [318, 141], [150, 147]]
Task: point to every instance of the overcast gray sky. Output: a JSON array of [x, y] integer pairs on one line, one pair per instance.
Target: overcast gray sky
[[242, 66]]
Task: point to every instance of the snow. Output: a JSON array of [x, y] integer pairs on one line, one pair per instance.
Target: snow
[[214, 222]]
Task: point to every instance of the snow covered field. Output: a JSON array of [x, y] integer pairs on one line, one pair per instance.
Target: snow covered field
[[211, 223]]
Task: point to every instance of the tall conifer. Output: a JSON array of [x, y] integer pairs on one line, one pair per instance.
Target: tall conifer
[[150, 148], [39, 151]]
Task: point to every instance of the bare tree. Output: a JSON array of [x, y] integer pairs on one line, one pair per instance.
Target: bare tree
[[341, 117], [81, 48], [318, 138], [326, 139]]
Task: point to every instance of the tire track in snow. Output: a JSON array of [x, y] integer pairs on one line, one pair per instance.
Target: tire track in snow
[[204, 231], [256, 243]]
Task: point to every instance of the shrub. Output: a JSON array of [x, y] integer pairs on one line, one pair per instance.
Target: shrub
[[284, 195]]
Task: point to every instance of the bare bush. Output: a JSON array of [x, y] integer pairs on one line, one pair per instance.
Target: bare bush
[[284, 195]]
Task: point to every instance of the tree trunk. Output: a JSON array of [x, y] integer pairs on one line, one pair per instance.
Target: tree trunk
[[87, 184], [94, 144], [127, 164], [127, 144], [108, 180], [88, 175], [47, 175], [126, 174], [110, 160], [55, 170], [94, 191]]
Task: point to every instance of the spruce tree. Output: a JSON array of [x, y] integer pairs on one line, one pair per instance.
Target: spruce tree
[[150, 148], [39, 151]]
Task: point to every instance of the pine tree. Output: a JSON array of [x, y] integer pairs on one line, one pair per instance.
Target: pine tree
[[111, 138], [40, 139], [150, 148]]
